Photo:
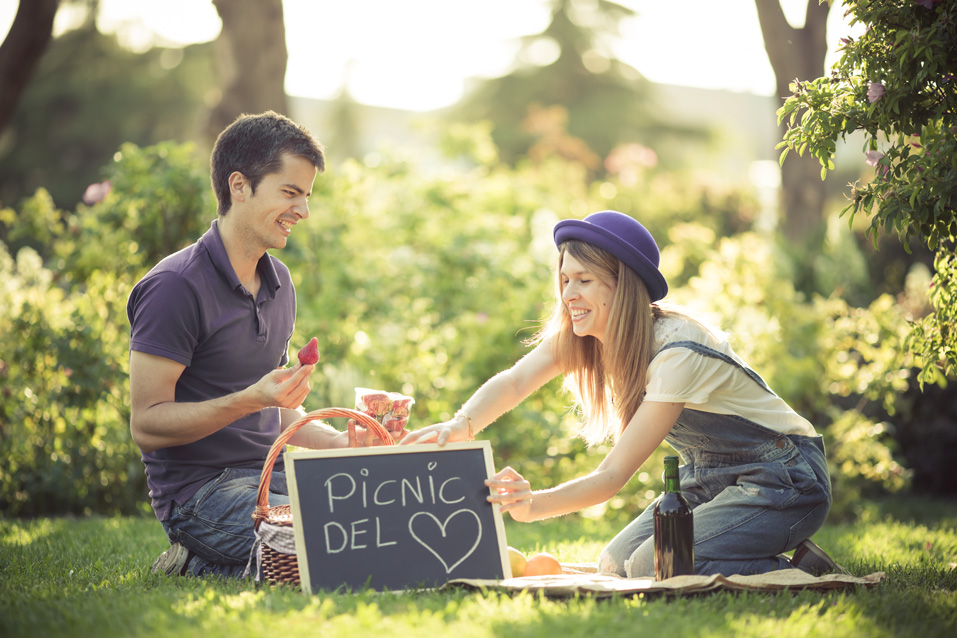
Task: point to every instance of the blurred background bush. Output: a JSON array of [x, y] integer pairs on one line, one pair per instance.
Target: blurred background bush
[[424, 270], [428, 282]]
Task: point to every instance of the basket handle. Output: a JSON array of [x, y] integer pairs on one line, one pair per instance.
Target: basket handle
[[262, 501]]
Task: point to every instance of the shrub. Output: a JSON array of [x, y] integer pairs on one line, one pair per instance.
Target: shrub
[[897, 82], [424, 281]]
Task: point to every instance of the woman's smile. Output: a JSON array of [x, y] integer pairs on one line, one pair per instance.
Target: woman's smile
[[586, 297]]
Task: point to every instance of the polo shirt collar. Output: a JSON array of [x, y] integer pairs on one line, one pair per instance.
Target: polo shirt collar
[[217, 253]]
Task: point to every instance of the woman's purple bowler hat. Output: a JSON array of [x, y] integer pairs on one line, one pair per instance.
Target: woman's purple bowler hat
[[624, 238]]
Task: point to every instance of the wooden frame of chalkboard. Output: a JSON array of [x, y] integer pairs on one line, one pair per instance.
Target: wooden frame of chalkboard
[[397, 517]]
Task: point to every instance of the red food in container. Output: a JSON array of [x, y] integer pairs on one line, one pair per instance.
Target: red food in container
[[391, 409]]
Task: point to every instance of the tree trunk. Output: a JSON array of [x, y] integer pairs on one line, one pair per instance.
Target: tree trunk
[[251, 56], [21, 50], [797, 54]]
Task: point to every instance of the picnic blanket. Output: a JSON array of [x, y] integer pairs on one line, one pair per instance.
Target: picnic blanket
[[583, 580]]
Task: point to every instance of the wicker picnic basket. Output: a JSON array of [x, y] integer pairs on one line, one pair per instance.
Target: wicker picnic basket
[[277, 559]]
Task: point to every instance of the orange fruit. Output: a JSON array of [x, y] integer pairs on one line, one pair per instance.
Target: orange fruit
[[542, 564], [517, 561]]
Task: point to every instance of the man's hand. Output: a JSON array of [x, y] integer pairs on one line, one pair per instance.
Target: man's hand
[[284, 387], [359, 436], [158, 421]]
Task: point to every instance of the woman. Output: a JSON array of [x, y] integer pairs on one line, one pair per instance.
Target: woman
[[754, 470]]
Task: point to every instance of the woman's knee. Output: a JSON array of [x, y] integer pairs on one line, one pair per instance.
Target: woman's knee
[[614, 558], [609, 563], [641, 564]]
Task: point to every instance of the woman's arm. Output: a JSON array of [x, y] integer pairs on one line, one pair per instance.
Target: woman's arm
[[314, 435], [645, 432], [317, 435], [497, 396]]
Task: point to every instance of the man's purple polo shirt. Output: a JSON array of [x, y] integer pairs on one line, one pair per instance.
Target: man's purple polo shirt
[[192, 309]]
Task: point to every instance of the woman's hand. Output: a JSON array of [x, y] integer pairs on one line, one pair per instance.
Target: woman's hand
[[512, 492], [455, 429]]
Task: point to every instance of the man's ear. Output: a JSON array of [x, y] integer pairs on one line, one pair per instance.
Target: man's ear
[[238, 186]]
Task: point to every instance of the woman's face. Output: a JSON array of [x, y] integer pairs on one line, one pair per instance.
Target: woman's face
[[587, 299]]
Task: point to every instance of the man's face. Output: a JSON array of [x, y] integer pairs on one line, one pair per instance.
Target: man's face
[[279, 203]]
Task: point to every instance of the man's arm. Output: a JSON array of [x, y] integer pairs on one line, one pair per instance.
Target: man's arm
[[158, 421]]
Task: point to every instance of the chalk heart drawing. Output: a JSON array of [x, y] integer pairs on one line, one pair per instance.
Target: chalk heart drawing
[[442, 527]]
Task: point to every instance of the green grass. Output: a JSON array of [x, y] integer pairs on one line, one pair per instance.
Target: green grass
[[90, 577]]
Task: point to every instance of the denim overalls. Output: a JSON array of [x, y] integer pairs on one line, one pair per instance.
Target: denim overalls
[[755, 493]]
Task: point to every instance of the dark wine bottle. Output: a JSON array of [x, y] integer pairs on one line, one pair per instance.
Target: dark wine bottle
[[674, 528]]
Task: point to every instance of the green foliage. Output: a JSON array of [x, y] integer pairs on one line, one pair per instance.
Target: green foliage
[[842, 367], [88, 96], [81, 577], [64, 404], [64, 408], [424, 281], [159, 203], [429, 284], [934, 335], [897, 83]]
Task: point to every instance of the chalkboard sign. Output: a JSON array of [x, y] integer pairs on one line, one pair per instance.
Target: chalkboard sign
[[395, 517]]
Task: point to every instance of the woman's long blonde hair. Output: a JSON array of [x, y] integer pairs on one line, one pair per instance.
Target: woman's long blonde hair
[[607, 378]]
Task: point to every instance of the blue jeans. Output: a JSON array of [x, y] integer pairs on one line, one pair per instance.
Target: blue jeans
[[755, 493], [216, 523]]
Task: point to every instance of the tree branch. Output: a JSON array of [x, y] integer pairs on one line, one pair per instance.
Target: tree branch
[[21, 50]]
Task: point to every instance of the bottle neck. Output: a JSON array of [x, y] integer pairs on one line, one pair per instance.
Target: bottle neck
[[672, 482]]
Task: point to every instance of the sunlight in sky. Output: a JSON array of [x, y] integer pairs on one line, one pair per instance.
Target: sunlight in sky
[[421, 54]]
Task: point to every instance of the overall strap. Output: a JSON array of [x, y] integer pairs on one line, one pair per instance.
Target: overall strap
[[704, 350]]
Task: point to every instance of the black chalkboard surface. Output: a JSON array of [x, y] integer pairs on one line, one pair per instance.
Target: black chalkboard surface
[[395, 517]]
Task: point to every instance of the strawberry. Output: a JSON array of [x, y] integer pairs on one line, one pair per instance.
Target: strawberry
[[377, 404], [309, 355]]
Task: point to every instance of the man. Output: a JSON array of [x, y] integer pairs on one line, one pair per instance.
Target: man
[[210, 331]]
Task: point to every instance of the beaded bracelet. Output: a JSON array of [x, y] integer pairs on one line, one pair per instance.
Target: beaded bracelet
[[468, 419]]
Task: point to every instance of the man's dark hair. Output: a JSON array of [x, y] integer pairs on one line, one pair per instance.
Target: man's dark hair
[[254, 146]]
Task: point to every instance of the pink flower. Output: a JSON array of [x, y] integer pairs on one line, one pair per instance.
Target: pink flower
[[95, 193], [873, 158], [927, 4], [875, 91]]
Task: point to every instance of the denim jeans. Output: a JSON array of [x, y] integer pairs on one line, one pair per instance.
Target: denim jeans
[[216, 523], [754, 492]]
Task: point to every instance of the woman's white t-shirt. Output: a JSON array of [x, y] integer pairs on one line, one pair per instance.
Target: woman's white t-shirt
[[707, 384]]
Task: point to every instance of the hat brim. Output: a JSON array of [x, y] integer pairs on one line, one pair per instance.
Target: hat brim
[[597, 236]]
